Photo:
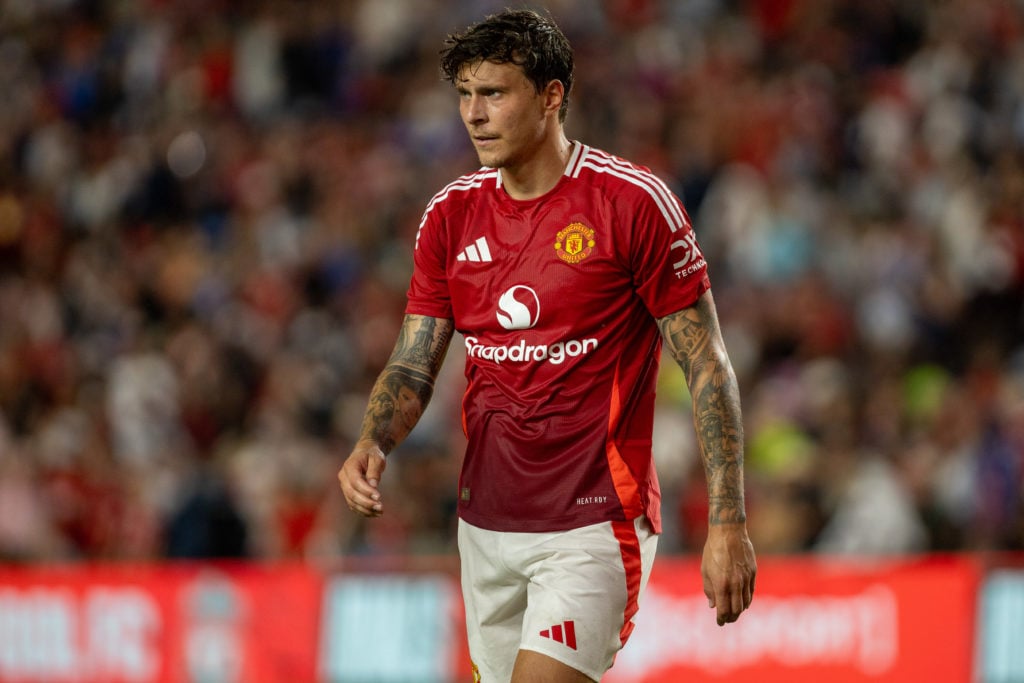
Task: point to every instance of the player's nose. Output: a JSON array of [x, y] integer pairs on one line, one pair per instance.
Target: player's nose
[[473, 110]]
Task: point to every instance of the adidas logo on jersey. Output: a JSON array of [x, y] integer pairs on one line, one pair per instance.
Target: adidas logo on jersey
[[478, 252], [564, 633]]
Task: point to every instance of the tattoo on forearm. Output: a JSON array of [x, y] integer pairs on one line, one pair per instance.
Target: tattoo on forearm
[[694, 340], [404, 387]]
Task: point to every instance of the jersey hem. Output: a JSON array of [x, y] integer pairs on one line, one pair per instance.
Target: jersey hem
[[417, 309], [538, 526], [703, 285]]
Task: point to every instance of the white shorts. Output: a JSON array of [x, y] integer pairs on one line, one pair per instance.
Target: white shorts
[[570, 595]]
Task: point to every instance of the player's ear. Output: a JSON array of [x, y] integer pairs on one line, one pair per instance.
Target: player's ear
[[553, 94]]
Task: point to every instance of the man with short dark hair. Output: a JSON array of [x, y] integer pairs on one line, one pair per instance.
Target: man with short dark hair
[[565, 268]]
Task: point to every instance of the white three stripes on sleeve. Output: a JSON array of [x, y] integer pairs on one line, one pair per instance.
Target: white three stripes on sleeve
[[465, 183], [650, 183]]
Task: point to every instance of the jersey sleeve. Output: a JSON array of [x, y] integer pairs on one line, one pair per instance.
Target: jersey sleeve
[[669, 270], [428, 290]]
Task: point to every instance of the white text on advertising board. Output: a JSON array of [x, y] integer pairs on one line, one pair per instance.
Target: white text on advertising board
[[51, 634]]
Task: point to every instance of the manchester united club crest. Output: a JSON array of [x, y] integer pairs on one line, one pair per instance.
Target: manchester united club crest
[[574, 243]]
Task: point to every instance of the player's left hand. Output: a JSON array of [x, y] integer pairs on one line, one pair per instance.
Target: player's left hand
[[729, 569]]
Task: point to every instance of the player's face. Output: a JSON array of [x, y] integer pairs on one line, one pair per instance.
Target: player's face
[[503, 112]]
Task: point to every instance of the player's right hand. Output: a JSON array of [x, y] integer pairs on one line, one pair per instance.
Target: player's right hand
[[360, 477]]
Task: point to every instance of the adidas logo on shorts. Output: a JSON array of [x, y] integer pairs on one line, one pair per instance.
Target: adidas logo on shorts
[[564, 633]]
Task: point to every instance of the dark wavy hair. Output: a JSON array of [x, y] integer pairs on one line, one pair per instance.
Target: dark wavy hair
[[518, 36]]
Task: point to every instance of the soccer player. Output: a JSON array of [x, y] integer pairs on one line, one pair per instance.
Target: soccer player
[[565, 269]]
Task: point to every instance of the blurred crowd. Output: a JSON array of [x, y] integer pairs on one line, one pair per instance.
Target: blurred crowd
[[207, 209]]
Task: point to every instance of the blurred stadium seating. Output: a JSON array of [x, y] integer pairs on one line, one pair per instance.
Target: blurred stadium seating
[[207, 210]]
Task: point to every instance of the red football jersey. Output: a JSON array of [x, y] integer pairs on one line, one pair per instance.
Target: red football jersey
[[556, 298]]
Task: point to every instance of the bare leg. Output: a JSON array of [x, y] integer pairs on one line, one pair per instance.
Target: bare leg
[[533, 667]]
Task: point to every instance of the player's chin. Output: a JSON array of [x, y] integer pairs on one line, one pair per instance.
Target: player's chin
[[490, 159]]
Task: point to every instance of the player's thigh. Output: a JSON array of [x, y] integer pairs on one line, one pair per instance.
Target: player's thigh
[[534, 667]]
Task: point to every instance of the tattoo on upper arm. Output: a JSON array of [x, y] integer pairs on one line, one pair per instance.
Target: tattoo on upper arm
[[406, 384], [693, 338]]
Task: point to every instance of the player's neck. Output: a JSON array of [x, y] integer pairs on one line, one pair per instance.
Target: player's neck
[[539, 174]]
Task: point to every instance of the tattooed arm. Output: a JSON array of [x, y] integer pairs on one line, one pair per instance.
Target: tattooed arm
[[396, 403], [694, 339]]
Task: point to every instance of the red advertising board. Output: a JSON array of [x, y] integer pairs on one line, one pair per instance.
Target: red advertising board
[[159, 624], [885, 621], [812, 620]]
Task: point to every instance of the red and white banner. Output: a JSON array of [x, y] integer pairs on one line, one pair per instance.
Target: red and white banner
[[811, 620], [159, 624]]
